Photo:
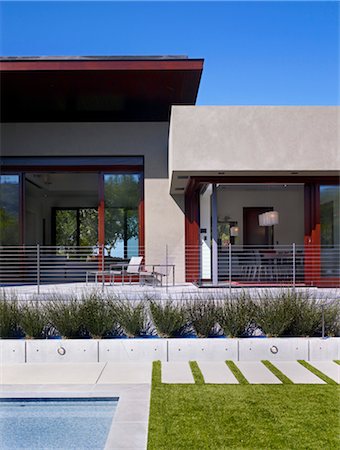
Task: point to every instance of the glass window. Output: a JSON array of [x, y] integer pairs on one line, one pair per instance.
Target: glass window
[[76, 226], [330, 230], [122, 197], [9, 209]]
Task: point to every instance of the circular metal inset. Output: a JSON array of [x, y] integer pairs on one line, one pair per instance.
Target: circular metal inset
[[274, 349], [61, 351]]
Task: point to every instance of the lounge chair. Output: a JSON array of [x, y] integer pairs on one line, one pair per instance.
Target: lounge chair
[[130, 269]]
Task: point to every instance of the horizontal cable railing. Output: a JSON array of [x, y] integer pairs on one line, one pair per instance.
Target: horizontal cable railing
[[39, 265], [289, 265], [204, 265]]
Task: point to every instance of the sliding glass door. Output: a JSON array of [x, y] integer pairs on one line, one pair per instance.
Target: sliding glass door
[[9, 209], [122, 197]]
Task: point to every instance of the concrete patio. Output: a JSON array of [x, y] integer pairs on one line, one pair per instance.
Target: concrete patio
[[136, 291]]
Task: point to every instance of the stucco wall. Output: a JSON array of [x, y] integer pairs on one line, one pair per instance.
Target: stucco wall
[[164, 220], [251, 138]]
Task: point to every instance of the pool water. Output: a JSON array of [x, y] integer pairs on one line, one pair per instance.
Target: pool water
[[55, 423]]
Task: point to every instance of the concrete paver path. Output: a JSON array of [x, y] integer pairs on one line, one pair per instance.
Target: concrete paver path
[[329, 368], [122, 373], [217, 373], [297, 373], [257, 373], [177, 372]]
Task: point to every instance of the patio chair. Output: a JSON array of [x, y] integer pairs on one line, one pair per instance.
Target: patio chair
[[155, 273], [130, 270]]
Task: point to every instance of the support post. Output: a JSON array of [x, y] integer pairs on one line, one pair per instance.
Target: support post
[[103, 268], [38, 268], [294, 266], [214, 235], [230, 268], [166, 266]]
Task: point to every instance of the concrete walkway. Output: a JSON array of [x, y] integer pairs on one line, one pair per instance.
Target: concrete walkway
[[136, 292], [255, 372]]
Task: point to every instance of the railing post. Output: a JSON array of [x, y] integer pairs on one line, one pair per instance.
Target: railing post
[[103, 268], [294, 266], [38, 268], [230, 268], [166, 265]]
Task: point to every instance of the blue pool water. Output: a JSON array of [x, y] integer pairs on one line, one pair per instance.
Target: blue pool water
[[55, 423]]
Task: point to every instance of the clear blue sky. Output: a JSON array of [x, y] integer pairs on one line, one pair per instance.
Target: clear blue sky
[[255, 52]]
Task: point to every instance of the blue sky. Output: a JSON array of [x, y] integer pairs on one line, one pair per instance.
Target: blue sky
[[255, 52]]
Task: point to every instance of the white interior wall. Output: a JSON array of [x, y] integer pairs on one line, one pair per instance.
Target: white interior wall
[[205, 236], [288, 201]]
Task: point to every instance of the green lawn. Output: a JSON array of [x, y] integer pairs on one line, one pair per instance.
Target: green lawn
[[200, 416]]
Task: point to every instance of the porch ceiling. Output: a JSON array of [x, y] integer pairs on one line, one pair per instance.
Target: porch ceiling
[[179, 181], [96, 89]]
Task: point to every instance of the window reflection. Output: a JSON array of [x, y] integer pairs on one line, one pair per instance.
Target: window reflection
[[122, 196], [330, 230], [9, 209]]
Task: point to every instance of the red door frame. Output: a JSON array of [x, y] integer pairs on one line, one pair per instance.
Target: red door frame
[[312, 233]]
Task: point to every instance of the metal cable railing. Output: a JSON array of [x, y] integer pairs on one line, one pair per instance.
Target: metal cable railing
[[231, 265]]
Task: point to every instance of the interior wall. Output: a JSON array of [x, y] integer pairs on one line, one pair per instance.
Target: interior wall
[[289, 202]]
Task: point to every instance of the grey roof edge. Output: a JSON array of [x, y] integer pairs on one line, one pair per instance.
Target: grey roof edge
[[98, 58]]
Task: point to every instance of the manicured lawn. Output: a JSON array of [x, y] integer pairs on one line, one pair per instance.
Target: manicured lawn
[[197, 417]]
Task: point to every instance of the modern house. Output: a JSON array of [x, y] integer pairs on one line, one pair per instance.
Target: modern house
[[113, 152]]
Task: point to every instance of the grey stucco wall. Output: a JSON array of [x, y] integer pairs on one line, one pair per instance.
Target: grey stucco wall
[[164, 218], [254, 138]]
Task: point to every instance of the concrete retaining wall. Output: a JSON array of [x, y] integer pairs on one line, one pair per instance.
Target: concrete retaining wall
[[13, 351]]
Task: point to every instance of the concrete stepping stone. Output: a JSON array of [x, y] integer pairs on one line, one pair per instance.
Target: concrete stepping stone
[[126, 373], [177, 372], [329, 368], [257, 373], [297, 373], [217, 373]]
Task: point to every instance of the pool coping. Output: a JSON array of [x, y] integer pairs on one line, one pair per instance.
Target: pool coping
[[129, 428]]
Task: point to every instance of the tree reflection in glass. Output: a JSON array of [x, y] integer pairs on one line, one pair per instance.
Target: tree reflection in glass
[[122, 196]]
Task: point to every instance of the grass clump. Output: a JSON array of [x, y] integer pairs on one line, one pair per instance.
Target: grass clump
[[66, 317], [132, 318], [99, 316], [170, 318], [236, 314], [295, 314], [33, 320], [9, 317], [202, 315]]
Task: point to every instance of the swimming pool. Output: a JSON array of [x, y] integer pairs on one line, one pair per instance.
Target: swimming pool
[[56, 423]]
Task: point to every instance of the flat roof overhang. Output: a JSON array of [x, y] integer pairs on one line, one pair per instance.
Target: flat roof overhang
[[96, 89]]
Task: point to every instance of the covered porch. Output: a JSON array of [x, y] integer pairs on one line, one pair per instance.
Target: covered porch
[[262, 231]]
